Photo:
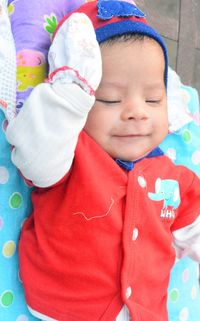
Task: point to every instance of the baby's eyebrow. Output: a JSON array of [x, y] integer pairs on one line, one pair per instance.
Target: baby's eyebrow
[[117, 84], [156, 85]]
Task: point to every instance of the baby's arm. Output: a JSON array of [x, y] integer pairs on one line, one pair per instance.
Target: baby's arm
[[45, 132]]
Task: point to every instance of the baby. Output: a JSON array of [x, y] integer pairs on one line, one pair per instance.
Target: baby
[[110, 210]]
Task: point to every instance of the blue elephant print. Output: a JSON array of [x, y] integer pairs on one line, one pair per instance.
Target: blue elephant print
[[167, 190]]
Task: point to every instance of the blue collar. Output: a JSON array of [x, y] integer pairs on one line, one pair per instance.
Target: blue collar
[[130, 165]]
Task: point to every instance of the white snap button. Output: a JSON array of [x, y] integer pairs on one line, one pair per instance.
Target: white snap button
[[135, 234], [128, 292], [142, 181]]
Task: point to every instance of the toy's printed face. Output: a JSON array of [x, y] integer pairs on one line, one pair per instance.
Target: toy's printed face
[[31, 69], [129, 117], [30, 58]]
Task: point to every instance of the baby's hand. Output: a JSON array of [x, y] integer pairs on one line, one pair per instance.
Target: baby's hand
[[75, 54]]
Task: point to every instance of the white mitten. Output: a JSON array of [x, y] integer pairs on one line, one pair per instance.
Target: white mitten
[[74, 55]]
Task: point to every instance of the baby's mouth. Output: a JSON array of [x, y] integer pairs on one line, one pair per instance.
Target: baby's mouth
[[134, 135]]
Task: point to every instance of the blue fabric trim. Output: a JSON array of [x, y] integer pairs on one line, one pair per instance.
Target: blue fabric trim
[[155, 152], [127, 26], [108, 9], [130, 165], [124, 164]]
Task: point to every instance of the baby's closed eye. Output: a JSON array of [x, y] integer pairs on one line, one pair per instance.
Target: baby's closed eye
[[153, 101], [108, 101]]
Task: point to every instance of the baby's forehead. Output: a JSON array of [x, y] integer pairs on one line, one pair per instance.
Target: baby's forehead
[[134, 59], [130, 39]]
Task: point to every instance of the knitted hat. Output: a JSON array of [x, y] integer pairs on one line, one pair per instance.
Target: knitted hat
[[114, 17]]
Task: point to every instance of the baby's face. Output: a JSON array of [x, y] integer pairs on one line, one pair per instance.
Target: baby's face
[[129, 117]]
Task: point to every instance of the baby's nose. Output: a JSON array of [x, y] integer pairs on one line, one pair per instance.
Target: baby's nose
[[134, 110]]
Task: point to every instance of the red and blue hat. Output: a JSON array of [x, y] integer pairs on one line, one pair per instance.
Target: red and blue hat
[[117, 17]]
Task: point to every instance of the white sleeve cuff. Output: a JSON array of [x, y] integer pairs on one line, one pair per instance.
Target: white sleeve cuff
[[45, 132], [187, 241]]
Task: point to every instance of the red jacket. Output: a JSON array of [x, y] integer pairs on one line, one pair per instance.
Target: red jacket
[[97, 240]]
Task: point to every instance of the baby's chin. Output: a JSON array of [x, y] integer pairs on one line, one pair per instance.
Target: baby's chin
[[131, 158]]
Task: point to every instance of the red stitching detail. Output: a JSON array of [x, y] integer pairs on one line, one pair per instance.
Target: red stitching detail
[[64, 68]]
